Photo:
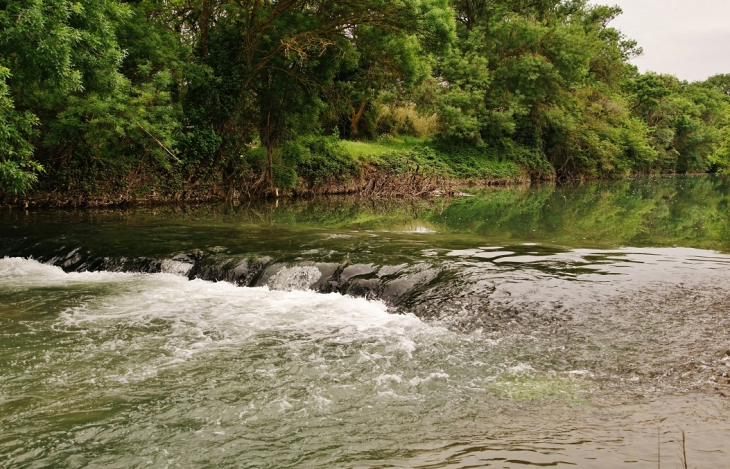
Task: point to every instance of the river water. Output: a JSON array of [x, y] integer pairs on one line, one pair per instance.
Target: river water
[[572, 326]]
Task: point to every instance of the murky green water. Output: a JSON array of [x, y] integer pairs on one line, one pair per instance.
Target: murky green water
[[581, 325]]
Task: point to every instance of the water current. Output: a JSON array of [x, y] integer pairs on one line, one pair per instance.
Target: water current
[[570, 326]]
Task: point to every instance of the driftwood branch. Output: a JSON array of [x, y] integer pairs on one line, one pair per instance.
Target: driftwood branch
[[159, 143]]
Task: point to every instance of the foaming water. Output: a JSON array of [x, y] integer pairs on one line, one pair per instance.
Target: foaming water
[[180, 318], [121, 370], [212, 359]]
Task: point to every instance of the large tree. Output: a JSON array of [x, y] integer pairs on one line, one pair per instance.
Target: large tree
[[538, 81], [271, 62]]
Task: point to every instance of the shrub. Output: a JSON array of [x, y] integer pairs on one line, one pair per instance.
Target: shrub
[[317, 159]]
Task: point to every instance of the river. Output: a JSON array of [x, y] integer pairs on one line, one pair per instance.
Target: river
[[582, 325]]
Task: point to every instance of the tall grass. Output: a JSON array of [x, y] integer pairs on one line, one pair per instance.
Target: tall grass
[[405, 120]]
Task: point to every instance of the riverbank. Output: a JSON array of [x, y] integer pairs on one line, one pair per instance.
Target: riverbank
[[372, 183], [401, 167], [397, 167]]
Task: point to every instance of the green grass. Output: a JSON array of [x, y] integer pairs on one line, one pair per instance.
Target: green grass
[[404, 153], [370, 151], [323, 158]]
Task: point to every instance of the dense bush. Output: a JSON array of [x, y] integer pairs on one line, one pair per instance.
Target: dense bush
[[318, 159]]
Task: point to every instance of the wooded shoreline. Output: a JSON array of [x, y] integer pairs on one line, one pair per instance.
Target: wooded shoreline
[[109, 100]]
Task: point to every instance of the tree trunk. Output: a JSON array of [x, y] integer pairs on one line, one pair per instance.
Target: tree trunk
[[204, 27], [269, 166], [271, 190], [355, 121]]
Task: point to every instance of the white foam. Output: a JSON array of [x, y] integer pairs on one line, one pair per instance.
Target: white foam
[[415, 227], [134, 328], [386, 378], [196, 315], [521, 368], [421, 230], [29, 272], [13, 267], [416, 381]]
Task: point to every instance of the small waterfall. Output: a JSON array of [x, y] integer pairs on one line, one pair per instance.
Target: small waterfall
[[295, 278], [175, 267]]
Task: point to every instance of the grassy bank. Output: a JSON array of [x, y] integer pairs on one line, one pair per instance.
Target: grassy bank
[[371, 150], [403, 154]]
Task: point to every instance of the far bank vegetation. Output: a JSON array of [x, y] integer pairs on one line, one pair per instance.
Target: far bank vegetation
[[197, 99]]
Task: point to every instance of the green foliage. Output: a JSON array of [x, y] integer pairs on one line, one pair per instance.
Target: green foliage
[[550, 82], [423, 160], [719, 83], [538, 83], [236, 95], [66, 60], [48, 51], [687, 122], [720, 158], [284, 176], [319, 160], [57, 47], [266, 71], [408, 155], [18, 170]]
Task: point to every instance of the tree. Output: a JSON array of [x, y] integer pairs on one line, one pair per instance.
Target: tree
[[720, 83], [538, 82], [18, 170], [49, 50], [685, 119], [272, 62]]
